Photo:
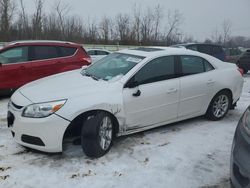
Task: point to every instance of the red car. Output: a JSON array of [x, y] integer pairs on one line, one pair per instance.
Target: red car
[[24, 61]]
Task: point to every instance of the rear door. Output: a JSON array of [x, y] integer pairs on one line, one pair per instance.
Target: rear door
[[70, 58], [44, 61], [196, 83], [13, 67]]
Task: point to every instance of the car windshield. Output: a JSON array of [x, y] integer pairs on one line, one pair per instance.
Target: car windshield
[[112, 66]]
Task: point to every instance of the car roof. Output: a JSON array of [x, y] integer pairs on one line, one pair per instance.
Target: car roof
[[156, 50], [173, 51], [189, 44], [42, 42]]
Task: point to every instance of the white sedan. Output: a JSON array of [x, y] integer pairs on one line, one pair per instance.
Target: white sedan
[[124, 93]]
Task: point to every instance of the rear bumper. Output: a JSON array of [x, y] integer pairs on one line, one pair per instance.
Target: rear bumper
[[240, 158]]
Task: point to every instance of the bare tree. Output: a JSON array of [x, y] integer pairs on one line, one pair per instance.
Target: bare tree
[[137, 23], [158, 15], [37, 19], [105, 29], [144, 27], [216, 37], [74, 29], [226, 31], [7, 8], [123, 27], [23, 15], [147, 27], [92, 32], [22, 23], [174, 21], [62, 11]]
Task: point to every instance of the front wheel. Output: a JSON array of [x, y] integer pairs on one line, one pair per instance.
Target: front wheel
[[219, 106], [97, 135]]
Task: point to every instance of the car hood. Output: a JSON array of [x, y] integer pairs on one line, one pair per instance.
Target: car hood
[[62, 86]]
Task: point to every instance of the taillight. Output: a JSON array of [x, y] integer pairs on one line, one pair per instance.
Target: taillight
[[241, 71], [87, 59]]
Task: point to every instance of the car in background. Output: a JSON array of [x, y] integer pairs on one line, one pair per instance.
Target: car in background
[[97, 54], [126, 92], [210, 49], [244, 61], [1, 45], [24, 61], [232, 54], [240, 155]]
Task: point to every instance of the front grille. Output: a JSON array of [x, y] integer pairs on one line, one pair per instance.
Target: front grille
[[10, 119]]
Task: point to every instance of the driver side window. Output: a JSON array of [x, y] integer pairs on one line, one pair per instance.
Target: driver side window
[[159, 69]]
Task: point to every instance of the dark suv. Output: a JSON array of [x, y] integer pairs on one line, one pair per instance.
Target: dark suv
[[24, 61], [244, 61], [210, 49]]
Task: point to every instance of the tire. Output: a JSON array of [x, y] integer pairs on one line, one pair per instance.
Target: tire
[[219, 106], [97, 135]]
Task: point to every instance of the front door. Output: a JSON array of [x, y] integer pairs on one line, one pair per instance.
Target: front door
[[13, 67], [155, 98]]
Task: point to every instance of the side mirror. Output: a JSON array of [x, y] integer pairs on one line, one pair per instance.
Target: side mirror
[[132, 84], [1, 64]]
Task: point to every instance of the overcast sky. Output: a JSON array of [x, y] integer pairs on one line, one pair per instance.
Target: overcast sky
[[201, 17]]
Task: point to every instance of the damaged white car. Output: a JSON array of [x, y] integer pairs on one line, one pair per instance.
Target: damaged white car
[[126, 92]]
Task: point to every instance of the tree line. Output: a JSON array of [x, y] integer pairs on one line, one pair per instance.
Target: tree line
[[144, 26]]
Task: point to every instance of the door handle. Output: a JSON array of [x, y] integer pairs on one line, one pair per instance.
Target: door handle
[[209, 82], [172, 90], [22, 67], [137, 94]]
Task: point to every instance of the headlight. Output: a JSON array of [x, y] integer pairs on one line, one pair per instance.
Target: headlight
[[246, 120], [42, 110]]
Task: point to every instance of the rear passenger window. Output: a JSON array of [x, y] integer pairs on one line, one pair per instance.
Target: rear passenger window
[[44, 52], [194, 65], [67, 51], [208, 66]]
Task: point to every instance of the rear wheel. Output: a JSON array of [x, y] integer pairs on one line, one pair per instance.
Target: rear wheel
[[219, 106], [97, 135]]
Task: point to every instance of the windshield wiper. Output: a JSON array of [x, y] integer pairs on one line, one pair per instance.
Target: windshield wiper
[[92, 76]]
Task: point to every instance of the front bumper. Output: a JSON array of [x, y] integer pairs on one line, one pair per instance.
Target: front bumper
[[240, 158], [44, 134]]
